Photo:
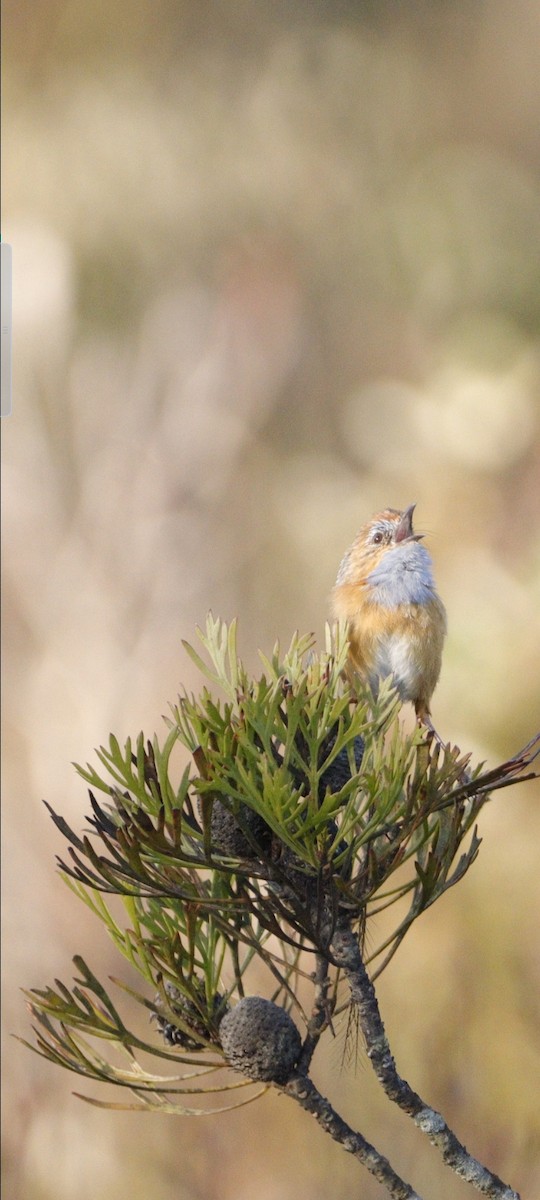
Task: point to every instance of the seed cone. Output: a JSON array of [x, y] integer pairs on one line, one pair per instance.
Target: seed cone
[[202, 1028], [230, 838], [339, 771], [260, 1039]]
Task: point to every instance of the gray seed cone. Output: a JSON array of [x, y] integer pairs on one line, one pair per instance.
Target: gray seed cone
[[202, 1029], [339, 771], [260, 1039], [229, 838]]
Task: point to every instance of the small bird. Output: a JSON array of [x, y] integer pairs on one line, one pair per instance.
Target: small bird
[[397, 622]]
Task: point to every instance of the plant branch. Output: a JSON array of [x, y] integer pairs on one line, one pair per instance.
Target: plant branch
[[301, 1089], [321, 1015], [346, 955]]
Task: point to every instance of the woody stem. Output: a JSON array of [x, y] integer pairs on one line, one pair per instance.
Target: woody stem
[[346, 955], [300, 1088], [321, 1016]]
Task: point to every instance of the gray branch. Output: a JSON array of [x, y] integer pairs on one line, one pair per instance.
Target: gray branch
[[321, 1016], [346, 955], [300, 1088]]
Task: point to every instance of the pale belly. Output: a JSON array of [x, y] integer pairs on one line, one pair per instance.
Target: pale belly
[[393, 657]]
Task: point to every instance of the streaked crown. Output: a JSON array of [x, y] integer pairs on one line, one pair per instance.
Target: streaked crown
[[388, 528]]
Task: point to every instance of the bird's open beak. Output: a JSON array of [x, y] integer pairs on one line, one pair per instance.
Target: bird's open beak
[[404, 530]]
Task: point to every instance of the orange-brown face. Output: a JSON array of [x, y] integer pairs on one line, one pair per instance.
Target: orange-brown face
[[386, 529]]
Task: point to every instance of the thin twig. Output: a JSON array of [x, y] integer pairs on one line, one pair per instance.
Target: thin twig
[[346, 955], [321, 1014], [300, 1088]]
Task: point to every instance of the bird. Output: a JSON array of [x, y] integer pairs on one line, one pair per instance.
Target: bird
[[396, 620]]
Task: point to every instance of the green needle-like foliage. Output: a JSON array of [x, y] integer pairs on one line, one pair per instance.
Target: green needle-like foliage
[[305, 808]]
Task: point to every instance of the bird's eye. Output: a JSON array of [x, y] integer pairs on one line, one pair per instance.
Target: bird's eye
[[377, 538]]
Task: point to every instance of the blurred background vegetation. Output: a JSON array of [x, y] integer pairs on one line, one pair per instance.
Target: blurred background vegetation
[[275, 267]]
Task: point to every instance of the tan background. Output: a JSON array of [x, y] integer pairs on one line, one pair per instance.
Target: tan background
[[276, 266]]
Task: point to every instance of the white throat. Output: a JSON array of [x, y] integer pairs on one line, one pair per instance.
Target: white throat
[[403, 576]]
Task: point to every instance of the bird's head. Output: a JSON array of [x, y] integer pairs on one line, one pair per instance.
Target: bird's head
[[383, 532]]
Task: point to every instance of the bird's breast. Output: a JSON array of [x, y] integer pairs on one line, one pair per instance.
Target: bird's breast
[[403, 641], [397, 655], [403, 576]]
